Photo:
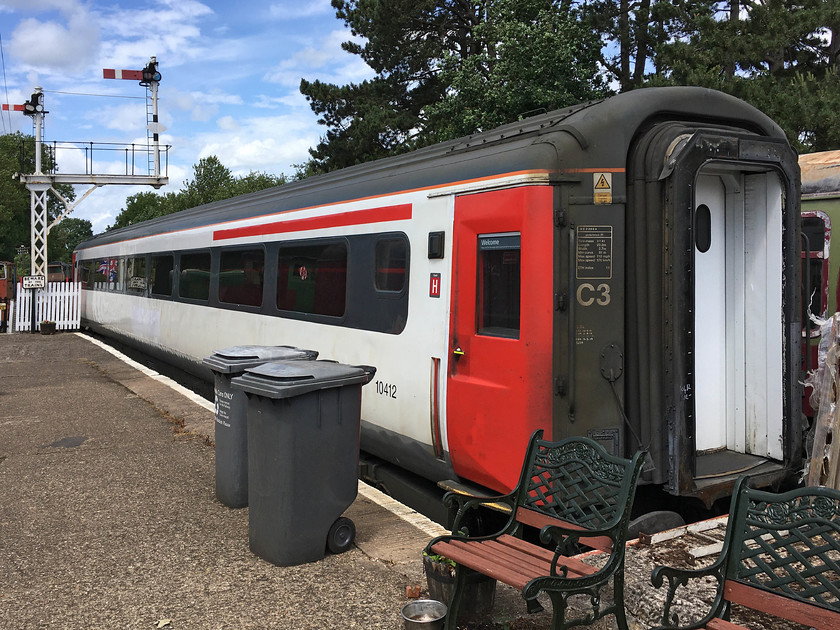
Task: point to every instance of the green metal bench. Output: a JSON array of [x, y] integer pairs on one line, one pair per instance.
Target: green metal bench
[[576, 494], [780, 556]]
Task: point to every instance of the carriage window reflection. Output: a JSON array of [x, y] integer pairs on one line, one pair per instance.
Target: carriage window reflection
[[498, 286], [136, 275], [390, 264], [241, 277], [312, 278], [194, 281], [161, 272]]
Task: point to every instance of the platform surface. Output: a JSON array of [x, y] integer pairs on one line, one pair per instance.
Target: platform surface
[[108, 518]]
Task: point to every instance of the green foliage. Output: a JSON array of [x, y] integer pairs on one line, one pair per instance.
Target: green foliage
[[212, 182], [141, 207], [17, 155], [533, 56], [779, 55], [14, 199], [434, 557], [446, 68], [65, 236]]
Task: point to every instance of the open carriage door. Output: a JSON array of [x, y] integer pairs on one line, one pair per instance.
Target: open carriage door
[[714, 230]]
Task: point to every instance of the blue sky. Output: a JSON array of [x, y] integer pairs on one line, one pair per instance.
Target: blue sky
[[230, 77]]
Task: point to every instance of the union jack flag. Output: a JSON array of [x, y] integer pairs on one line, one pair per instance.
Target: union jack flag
[[108, 267]]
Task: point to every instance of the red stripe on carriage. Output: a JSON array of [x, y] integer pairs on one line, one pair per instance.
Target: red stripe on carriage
[[341, 219]]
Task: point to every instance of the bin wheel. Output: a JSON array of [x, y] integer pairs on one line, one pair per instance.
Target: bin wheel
[[341, 536]]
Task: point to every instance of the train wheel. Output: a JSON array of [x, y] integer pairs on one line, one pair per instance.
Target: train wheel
[[341, 536], [653, 523]]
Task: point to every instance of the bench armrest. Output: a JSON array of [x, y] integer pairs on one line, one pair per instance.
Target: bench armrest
[[680, 577], [558, 534], [467, 502]]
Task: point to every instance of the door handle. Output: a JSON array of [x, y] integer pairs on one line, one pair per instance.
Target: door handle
[[458, 352]]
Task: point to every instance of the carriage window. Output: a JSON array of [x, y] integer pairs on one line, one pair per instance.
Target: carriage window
[[241, 277], [815, 242], [97, 278], [497, 299], [161, 273], [84, 273], [312, 279], [703, 228], [119, 283], [105, 272], [390, 264], [136, 275], [195, 276]]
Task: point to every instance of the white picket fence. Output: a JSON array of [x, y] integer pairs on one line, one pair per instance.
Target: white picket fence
[[60, 302]]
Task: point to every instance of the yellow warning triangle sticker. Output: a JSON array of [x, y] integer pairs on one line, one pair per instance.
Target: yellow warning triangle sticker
[[602, 184]]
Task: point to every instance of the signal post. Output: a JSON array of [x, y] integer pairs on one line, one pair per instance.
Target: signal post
[[40, 183]]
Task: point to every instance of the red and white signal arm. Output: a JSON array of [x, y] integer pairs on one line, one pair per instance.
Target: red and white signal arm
[[434, 285], [131, 75]]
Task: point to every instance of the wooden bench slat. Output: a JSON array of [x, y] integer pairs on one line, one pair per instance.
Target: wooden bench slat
[[781, 605], [576, 566], [509, 554], [507, 574], [513, 561], [527, 566], [720, 624], [540, 520]]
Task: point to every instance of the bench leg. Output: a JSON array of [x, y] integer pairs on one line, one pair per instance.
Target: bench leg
[[455, 599], [533, 606], [618, 598], [558, 610]]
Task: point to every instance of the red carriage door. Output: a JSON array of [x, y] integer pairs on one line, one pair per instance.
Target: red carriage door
[[500, 371]]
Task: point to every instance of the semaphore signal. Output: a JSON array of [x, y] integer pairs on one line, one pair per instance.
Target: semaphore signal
[[148, 77], [39, 183]]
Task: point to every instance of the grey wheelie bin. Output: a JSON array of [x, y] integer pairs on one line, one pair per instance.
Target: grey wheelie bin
[[304, 419], [231, 408]]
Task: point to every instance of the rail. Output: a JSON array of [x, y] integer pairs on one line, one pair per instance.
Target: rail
[[84, 157]]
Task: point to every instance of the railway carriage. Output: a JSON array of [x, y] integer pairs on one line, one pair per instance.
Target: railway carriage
[[625, 269], [820, 209]]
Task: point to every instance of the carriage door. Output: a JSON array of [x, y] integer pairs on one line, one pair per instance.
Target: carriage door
[[738, 336], [500, 369]]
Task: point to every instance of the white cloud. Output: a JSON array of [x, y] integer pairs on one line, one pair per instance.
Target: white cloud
[[325, 60], [291, 10], [40, 5], [169, 30], [202, 106], [128, 118], [52, 47], [268, 144], [228, 123]]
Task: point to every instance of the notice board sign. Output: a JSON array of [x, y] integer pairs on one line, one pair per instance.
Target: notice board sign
[[33, 282]]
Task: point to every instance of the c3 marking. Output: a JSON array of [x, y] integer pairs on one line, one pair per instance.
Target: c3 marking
[[588, 294]]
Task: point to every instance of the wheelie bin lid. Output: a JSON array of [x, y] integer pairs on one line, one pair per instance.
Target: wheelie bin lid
[[286, 379], [240, 358]]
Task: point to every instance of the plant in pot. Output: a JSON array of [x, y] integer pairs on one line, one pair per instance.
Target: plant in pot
[[47, 327], [479, 590]]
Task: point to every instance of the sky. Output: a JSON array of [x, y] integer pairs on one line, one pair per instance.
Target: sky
[[230, 70]]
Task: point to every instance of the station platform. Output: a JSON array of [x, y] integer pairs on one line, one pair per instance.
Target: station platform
[[108, 517]]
